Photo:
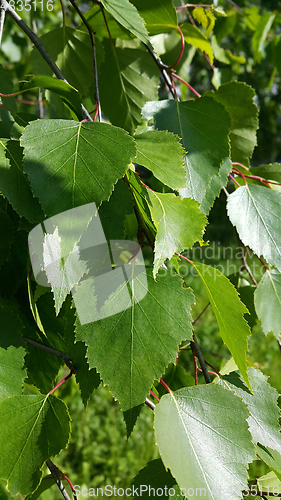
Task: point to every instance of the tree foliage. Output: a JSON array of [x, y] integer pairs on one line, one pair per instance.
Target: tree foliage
[[142, 117]]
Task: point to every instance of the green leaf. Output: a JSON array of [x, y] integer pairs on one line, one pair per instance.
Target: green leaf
[[216, 183], [195, 37], [7, 229], [262, 405], [66, 161], [203, 126], [137, 349], [254, 210], [113, 212], [268, 302], [272, 171], [96, 21], [154, 477], [71, 50], [68, 93], [11, 326], [203, 438], [128, 78], [269, 483], [141, 206], [88, 380], [160, 16], [204, 17], [14, 184], [237, 98], [229, 311], [161, 153], [260, 35], [271, 457], [130, 418], [44, 430], [12, 374], [127, 15], [179, 224]]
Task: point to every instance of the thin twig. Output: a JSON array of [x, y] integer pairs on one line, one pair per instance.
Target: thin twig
[[163, 68], [91, 34], [150, 404], [57, 474], [246, 266], [66, 358], [2, 20], [197, 319], [35, 40], [197, 351]]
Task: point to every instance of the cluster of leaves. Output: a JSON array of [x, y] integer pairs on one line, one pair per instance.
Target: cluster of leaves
[[206, 434]]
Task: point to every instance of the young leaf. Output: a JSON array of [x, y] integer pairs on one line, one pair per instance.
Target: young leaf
[[44, 430], [268, 302], [203, 438], [161, 153], [179, 224], [195, 37], [12, 374], [14, 184], [66, 161], [128, 349], [229, 311], [128, 78], [271, 457], [127, 15], [203, 125], [262, 405], [254, 210], [141, 206], [160, 16], [237, 98]]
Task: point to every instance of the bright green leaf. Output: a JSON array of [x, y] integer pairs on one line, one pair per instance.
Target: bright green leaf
[[203, 438], [44, 430], [128, 78], [159, 15], [161, 153], [268, 302], [66, 161], [255, 211], [269, 483], [11, 371], [137, 349], [216, 183], [203, 126], [262, 405], [179, 224], [271, 457], [229, 311], [237, 98], [14, 184], [204, 17], [195, 37], [260, 35], [127, 15]]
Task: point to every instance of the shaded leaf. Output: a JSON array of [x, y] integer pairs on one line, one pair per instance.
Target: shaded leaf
[[262, 29], [66, 161], [268, 302], [271, 457], [272, 171], [203, 438], [179, 224], [159, 15], [254, 210], [7, 229], [216, 183], [229, 311], [128, 78], [137, 349], [43, 432], [203, 126], [141, 206], [130, 418], [11, 371], [113, 212], [127, 15], [162, 154], [151, 477], [14, 184], [96, 20], [237, 98], [88, 379]]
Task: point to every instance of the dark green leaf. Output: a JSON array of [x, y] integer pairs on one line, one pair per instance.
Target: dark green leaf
[[11, 371], [151, 477]]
